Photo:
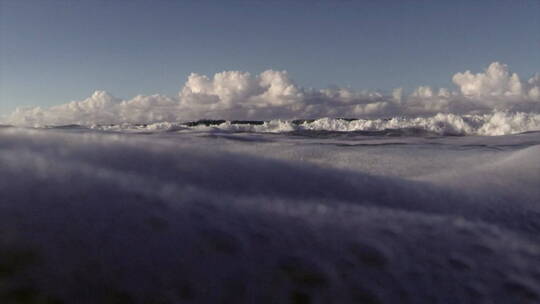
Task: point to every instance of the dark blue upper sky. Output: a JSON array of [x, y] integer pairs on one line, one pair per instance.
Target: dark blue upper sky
[[54, 51]]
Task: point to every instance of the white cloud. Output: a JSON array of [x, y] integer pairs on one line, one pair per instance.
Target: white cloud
[[498, 88], [272, 94], [495, 81]]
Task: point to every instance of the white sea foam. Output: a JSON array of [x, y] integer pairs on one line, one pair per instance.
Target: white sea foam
[[496, 123]]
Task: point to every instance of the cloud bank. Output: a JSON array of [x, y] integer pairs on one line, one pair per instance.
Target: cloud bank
[[273, 95]]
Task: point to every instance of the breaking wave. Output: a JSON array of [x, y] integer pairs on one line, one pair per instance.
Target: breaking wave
[[493, 124]]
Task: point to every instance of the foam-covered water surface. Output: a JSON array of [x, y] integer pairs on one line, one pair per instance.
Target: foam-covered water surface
[[492, 124], [324, 211]]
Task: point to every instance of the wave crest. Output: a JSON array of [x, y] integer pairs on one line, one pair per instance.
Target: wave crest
[[493, 124]]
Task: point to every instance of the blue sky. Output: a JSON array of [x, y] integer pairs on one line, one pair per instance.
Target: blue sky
[[54, 51]]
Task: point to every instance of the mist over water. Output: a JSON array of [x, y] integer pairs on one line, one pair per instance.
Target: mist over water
[[256, 212]]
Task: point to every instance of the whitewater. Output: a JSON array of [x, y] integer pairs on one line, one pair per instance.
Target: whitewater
[[491, 124], [433, 209]]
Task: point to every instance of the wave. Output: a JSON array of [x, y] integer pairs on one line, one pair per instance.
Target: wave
[[493, 124], [140, 219]]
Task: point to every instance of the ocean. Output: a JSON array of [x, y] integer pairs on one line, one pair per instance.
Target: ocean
[[434, 210]]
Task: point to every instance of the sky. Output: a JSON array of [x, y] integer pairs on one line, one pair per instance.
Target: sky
[[55, 51]]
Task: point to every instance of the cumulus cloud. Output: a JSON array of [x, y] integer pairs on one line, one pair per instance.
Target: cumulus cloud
[[497, 87], [100, 108], [495, 81], [235, 93], [273, 95]]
